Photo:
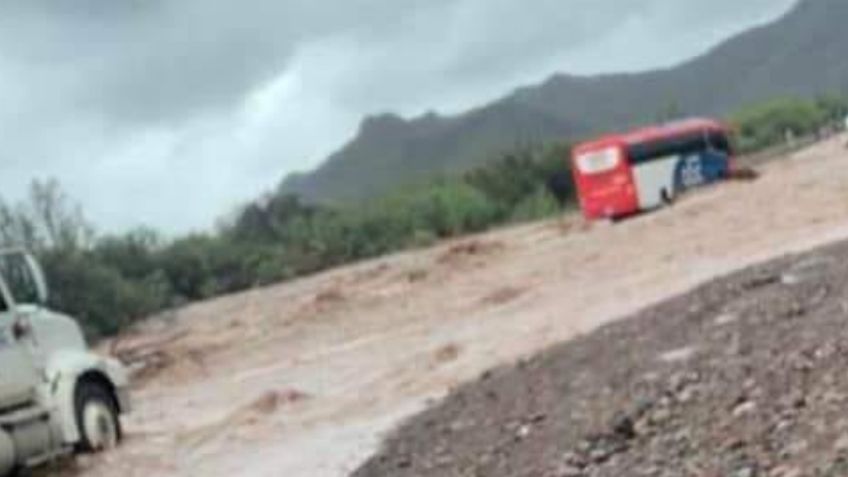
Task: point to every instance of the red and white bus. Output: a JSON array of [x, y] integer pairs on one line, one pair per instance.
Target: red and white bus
[[621, 174]]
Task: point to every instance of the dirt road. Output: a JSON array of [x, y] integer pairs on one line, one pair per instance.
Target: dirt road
[[304, 378]]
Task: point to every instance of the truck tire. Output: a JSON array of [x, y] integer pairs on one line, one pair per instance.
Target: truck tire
[[97, 417]]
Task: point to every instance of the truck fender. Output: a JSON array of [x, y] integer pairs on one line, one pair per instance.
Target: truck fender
[[65, 369]]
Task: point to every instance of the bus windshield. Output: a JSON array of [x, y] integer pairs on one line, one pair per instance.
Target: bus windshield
[[597, 162]]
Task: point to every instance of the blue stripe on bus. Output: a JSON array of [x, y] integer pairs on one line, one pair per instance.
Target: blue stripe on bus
[[699, 169]]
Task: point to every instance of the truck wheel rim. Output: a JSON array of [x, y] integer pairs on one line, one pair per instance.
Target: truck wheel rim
[[99, 426]]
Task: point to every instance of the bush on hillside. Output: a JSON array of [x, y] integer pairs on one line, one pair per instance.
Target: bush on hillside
[[764, 125]]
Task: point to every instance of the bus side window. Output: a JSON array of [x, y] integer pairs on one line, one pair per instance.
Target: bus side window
[[683, 145], [719, 142]]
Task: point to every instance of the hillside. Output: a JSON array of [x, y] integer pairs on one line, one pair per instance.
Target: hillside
[[263, 383], [799, 54]]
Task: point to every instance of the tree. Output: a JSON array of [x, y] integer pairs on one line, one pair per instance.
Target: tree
[[58, 222]]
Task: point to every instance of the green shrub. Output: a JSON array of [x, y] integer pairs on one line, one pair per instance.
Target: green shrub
[[767, 124], [101, 298], [539, 205]]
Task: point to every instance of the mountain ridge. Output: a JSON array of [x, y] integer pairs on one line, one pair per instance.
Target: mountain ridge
[[799, 54]]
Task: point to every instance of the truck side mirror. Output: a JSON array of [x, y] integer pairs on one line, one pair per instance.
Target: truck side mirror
[[21, 329], [38, 278]]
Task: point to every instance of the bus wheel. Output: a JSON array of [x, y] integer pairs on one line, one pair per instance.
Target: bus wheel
[[667, 197]]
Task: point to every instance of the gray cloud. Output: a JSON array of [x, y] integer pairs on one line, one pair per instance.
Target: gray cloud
[[157, 60], [170, 112]]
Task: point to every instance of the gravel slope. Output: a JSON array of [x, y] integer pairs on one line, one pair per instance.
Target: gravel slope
[[744, 376]]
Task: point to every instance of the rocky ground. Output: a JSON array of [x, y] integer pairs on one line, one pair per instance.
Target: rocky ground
[[742, 377]]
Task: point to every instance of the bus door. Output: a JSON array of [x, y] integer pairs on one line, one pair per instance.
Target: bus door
[[654, 171]]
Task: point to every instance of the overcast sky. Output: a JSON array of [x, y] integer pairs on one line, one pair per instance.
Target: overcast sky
[[170, 113]]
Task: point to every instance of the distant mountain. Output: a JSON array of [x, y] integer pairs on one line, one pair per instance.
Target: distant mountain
[[804, 53]]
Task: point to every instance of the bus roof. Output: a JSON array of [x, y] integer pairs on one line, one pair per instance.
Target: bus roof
[[653, 133]]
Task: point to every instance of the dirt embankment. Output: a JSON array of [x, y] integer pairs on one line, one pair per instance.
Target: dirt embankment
[[305, 378], [744, 376]]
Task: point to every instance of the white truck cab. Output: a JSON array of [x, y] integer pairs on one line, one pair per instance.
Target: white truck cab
[[56, 396]]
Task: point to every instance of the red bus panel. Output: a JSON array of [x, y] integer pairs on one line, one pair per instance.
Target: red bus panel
[[604, 180]]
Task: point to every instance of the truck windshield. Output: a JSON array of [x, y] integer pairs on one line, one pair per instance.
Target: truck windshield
[[18, 278]]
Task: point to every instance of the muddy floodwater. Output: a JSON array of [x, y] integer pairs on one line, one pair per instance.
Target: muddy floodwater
[[307, 377]]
